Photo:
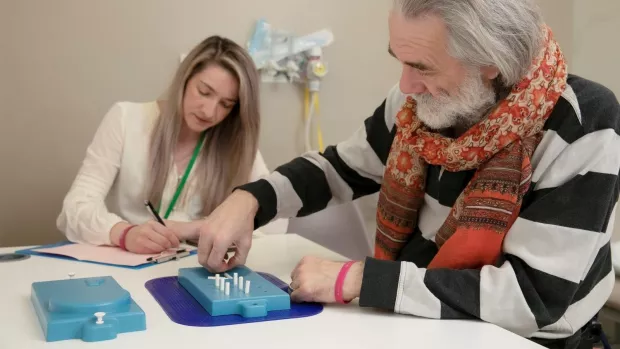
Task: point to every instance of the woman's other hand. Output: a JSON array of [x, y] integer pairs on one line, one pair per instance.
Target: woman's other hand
[[185, 230]]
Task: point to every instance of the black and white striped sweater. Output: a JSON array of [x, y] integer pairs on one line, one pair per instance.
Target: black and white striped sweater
[[556, 271]]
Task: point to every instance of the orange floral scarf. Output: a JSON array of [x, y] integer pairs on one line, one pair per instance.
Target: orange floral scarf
[[499, 147]]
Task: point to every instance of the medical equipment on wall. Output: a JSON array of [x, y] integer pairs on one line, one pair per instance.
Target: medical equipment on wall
[[282, 57]]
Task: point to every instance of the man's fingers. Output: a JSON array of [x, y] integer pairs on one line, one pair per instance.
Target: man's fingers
[[205, 243], [299, 296], [236, 260], [295, 296], [294, 284], [219, 267], [295, 272], [241, 253], [215, 261], [228, 223]]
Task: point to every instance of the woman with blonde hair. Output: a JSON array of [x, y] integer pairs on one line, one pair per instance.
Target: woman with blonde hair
[[184, 154]]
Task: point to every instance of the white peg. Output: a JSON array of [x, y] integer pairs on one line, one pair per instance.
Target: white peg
[[217, 280], [228, 288], [235, 278], [99, 316], [222, 285], [241, 283], [71, 275], [247, 287]]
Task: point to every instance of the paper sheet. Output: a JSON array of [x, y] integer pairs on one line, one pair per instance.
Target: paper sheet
[[106, 254]]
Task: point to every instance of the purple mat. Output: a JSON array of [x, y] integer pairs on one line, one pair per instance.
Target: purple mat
[[183, 309]]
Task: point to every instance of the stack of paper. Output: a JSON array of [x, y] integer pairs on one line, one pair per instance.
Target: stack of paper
[[106, 254]]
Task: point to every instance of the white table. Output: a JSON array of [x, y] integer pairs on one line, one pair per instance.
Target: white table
[[336, 327]]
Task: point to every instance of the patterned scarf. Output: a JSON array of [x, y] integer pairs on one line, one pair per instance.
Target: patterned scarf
[[499, 147]]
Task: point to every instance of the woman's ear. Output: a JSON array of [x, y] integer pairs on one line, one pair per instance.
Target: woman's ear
[[490, 73]]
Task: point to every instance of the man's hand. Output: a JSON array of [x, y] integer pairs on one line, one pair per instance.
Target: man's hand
[[230, 223], [150, 237], [314, 280]]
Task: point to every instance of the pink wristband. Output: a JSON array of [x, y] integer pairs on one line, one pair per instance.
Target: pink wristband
[[121, 240], [340, 282]]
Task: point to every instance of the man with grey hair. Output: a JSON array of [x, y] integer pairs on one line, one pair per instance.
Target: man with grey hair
[[497, 172]]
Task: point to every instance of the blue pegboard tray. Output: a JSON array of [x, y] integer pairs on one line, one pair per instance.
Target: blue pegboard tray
[[183, 309], [251, 296]]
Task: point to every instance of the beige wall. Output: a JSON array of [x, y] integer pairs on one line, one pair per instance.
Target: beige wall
[[71, 59], [64, 65], [597, 46], [4, 34], [559, 16], [5, 132]]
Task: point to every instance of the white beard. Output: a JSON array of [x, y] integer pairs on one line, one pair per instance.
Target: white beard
[[466, 107]]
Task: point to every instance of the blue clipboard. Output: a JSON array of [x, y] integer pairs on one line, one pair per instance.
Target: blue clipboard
[[32, 252]]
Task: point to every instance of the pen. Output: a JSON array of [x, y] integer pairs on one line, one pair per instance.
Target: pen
[[164, 259], [149, 207], [176, 255]]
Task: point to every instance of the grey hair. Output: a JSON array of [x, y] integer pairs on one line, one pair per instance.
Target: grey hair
[[506, 34]]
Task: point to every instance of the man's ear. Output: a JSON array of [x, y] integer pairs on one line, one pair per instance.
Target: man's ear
[[490, 72]]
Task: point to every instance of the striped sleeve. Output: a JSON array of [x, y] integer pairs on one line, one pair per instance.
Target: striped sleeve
[[556, 270], [344, 172]]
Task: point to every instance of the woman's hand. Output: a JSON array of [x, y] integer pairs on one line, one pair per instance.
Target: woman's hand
[[149, 238], [314, 280]]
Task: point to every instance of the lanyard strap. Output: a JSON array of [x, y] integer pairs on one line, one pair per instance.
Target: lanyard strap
[[188, 169]]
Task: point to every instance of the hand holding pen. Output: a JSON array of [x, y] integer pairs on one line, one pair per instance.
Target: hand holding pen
[[151, 209], [179, 253], [151, 237]]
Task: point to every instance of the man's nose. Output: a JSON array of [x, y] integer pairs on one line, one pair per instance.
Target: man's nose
[[411, 82]]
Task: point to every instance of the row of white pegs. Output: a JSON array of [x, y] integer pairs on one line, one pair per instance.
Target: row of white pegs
[[221, 283]]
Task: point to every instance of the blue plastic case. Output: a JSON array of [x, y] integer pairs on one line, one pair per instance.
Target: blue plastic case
[[66, 309]]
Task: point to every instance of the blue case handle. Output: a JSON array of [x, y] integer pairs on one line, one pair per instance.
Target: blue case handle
[[256, 308]]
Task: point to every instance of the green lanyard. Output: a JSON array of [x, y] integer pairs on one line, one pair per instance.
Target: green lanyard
[[185, 175]]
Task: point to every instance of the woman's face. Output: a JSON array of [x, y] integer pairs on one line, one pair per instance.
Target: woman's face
[[209, 97]]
